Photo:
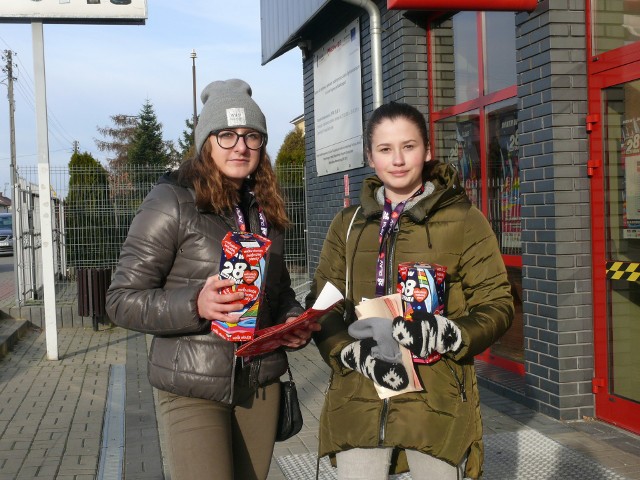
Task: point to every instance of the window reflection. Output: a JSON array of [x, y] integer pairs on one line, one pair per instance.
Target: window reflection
[[511, 344], [504, 176], [459, 139], [455, 49], [616, 24], [499, 50]]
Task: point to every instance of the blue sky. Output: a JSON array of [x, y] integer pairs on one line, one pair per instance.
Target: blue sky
[[95, 71]]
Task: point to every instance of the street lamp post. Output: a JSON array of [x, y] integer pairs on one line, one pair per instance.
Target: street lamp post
[[193, 70]]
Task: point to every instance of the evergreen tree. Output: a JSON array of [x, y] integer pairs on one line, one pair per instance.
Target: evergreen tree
[[291, 154], [292, 150], [186, 144], [89, 217], [147, 148]]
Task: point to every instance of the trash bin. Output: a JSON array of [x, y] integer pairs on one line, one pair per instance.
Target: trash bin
[[93, 284]]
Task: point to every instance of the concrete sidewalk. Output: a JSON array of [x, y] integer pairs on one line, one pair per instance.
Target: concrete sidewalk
[[91, 415]]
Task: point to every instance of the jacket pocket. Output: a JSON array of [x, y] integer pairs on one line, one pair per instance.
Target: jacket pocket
[[443, 391], [342, 389]]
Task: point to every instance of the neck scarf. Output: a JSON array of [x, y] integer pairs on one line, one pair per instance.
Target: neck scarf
[[388, 222]]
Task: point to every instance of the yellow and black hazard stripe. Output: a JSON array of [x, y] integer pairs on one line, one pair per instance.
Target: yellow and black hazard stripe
[[623, 271]]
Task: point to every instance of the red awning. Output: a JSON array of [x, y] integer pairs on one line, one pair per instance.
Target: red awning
[[448, 5]]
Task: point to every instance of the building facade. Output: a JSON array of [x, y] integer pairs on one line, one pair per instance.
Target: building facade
[[538, 106]]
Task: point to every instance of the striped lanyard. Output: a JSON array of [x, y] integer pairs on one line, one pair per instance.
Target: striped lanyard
[[242, 224], [388, 222]]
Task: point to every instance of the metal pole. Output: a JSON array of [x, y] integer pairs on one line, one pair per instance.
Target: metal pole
[[195, 108], [375, 32], [15, 204], [44, 182]]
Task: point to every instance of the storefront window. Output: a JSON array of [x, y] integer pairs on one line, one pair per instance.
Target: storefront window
[[475, 128], [500, 52], [455, 49], [459, 139], [616, 23], [503, 182]]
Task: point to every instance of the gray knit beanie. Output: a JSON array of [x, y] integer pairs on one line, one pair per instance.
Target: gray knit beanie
[[228, 104]]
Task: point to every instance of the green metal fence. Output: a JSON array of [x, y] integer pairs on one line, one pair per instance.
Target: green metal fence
[[92, 208]]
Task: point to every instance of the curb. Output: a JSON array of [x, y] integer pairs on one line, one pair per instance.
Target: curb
[[11, 331]]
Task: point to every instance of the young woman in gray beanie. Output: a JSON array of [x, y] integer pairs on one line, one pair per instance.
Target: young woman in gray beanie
[[219, 411]]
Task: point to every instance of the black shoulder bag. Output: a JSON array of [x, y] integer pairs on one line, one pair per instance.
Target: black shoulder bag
[[290, 417]]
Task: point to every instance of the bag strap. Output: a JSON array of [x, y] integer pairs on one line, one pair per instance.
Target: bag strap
[[346, 258], [346, 296]]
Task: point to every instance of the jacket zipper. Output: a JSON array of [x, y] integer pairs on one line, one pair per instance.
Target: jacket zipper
[[462, 390], [390, 282], [383, 421], [233, 371]]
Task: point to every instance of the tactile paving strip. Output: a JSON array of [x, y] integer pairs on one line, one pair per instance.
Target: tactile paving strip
[[521, 455]]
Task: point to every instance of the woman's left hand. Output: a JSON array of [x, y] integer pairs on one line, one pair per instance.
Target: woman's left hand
[[299, 337]]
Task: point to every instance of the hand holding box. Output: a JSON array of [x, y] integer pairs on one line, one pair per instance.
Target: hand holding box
[[243, 259], [390, 306]]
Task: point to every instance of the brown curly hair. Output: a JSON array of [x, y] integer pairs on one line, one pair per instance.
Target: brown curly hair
[[217, 194]]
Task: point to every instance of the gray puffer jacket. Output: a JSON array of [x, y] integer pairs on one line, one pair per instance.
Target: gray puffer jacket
[[171, 249]]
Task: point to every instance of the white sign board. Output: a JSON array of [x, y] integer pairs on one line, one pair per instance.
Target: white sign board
[[337, 99], [73, 11]]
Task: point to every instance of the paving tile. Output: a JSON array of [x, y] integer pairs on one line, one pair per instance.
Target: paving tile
[[52, 412]]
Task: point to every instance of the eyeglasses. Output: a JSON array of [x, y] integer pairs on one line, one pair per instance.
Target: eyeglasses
[[228, 139]]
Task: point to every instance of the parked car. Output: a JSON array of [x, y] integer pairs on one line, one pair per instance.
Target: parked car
[[6, 233]]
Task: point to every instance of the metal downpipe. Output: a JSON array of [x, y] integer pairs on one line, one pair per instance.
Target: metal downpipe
[[375, 31]]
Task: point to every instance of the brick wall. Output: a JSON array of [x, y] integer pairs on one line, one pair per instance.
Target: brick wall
[[556, 243], [404, 79]]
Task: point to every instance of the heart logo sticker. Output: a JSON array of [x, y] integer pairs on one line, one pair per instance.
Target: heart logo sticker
[[402, 271], [250, 276], [250, 293], [229, 247], [420, 294], [253, 255]]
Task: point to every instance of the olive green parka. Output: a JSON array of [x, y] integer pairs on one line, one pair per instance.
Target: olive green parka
[[443, 228]]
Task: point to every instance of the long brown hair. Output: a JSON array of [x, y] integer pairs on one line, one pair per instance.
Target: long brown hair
[[216, 193]]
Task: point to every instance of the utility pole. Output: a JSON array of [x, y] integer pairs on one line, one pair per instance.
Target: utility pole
[[193, 74], [76, 146], [15, 206], [8, 54]]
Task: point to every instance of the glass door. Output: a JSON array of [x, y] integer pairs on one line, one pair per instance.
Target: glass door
[[615, 170]]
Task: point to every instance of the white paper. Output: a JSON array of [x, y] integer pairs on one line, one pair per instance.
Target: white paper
[[328, 296]]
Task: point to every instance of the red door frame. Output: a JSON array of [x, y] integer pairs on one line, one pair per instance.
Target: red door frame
[[605, 70]]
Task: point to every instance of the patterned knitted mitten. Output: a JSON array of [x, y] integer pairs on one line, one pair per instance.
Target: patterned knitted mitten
[[357, 356], [426, 333]]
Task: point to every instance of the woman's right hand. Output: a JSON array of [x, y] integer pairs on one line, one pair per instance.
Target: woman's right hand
[[213, 305]]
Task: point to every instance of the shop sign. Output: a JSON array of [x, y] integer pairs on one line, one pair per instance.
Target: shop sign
[[66, 11], [456, 5]]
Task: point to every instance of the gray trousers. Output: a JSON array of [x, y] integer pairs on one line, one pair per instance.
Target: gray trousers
[[373, 464]]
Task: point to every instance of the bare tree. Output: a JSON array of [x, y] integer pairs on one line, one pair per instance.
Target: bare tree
[[118, 138]]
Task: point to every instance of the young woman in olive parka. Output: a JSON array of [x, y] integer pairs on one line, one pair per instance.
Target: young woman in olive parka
[[438, 431]]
